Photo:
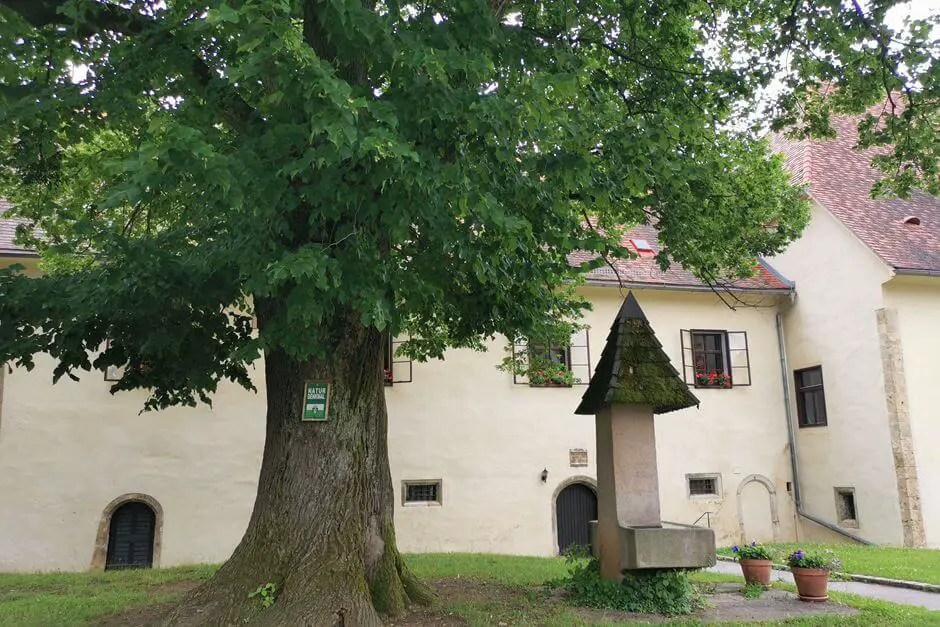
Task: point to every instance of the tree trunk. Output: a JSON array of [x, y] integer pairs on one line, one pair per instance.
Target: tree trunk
[[321, 529]]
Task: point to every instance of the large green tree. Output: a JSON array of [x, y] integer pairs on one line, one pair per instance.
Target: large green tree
[[344, 169]]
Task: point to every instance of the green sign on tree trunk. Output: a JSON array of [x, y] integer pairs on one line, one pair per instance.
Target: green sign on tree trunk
[[316, 400]]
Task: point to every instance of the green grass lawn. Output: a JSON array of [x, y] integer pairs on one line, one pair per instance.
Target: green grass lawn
[[910, 564], [506, 569], [54, 599], [67, 599]]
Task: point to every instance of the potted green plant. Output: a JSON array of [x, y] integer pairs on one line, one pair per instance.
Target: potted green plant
[[811, 573], [756, 562], [544, 372], [551, 375]]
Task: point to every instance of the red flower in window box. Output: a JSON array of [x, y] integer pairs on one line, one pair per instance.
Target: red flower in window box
[[388, 376], [712, 379], [552, 376]]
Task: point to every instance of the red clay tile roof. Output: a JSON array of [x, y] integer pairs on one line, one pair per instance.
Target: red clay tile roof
[[7, 233], [645, 271], [840, 179]]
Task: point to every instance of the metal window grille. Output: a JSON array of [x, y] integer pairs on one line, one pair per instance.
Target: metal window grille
[[422, 492], [703, 486]]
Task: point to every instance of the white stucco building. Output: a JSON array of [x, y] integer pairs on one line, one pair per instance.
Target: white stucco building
[[834, 353], [862, 338], [481, 460]]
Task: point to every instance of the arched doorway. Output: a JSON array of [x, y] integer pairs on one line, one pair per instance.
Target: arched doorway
[[130, 536], [575, 507], [757, 506]]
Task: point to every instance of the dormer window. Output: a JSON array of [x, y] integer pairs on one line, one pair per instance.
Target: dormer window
[[912, 220], [642, 247]]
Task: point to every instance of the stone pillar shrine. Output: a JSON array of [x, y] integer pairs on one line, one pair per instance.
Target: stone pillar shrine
[[634, 380]]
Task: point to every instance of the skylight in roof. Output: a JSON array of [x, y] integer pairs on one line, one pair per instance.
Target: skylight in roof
[[642, 245]]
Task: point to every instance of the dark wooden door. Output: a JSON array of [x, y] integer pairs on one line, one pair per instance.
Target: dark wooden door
[[575, 507], [130, 538]]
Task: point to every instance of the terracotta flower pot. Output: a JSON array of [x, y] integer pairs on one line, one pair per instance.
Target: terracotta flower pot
[[756, 571], [811, 583]]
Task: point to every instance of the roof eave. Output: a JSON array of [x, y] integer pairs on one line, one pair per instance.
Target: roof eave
[[917, 271], [776, 291], [18, 253], [776, 274]]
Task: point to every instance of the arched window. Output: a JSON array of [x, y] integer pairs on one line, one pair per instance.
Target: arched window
[[131, 536]]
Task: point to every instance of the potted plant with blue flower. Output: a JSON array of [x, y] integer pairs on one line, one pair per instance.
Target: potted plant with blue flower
[[811, 573], [756, 561]]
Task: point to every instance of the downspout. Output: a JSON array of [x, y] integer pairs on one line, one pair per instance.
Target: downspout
[[791, 436]]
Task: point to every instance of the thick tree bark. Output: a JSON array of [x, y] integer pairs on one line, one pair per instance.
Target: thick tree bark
[[321, 529]]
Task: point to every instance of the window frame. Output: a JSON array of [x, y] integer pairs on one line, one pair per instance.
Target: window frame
[[735, 372], [715, 477], [410, 482], [390, 360], [522, 350], [840, 492], [801, 400], [722, 351], [388, 365], [550, 349]]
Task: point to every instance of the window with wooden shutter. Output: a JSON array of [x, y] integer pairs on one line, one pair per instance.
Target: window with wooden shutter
[[715, 358], [575, 357], [130, 537]]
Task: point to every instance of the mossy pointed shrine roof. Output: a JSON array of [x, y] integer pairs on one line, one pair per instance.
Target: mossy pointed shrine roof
[[634, 369]]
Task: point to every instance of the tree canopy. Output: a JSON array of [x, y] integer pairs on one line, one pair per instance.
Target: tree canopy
[[425, 165]]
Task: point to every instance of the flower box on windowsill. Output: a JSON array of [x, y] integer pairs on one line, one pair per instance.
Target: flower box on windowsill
[[550, 385], [388, 377], [716, 380]]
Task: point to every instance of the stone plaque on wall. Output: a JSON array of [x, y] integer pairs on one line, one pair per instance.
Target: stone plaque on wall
[[578, 457]]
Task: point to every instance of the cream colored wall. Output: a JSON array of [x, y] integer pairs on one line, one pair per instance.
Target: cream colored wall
[[917, 301], [489, 439], [832, 324], [30, 264], [67, 451]]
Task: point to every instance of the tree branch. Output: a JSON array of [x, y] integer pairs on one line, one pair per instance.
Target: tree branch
[[114, 18]]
